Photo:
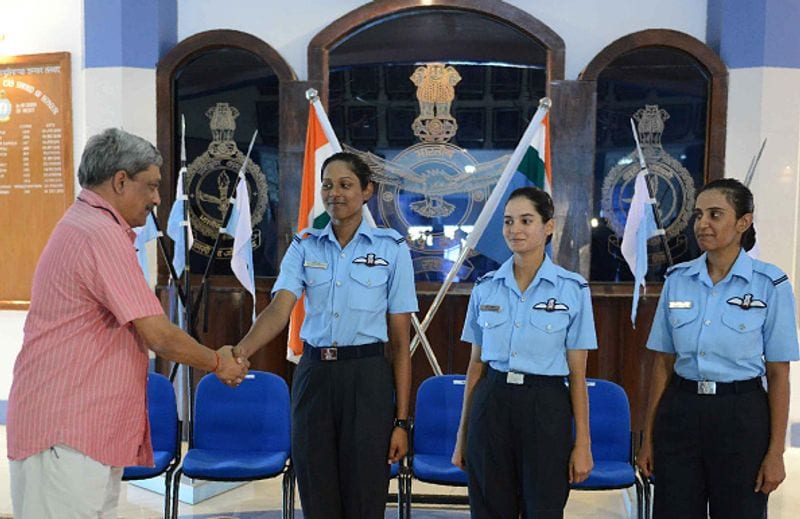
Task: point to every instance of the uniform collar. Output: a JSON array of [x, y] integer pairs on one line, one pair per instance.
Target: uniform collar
[[364, 229], [92, 199], [547, 272], [742, 267]]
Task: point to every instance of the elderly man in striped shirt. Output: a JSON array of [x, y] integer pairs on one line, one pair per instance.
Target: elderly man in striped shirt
[[77, 410]]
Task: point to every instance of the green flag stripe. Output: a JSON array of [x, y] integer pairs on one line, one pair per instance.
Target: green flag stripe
[[532, 166], [321, 221]]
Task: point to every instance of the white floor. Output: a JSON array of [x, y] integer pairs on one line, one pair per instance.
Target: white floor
[[136, 503]]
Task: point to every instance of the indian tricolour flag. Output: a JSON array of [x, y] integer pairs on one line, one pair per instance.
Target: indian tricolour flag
[[321, 143], [532, 170]]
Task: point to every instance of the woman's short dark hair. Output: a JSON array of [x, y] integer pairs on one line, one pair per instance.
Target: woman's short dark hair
[[356, 165], [542, 202], [741, 199]]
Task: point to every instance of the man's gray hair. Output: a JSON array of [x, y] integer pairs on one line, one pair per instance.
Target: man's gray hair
[[114, 150]]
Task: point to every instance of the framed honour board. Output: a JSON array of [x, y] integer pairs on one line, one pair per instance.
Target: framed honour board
[[36, 173]]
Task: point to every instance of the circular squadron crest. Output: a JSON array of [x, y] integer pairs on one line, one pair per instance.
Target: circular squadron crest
[[433, 185], [211, 180], [670, 182]]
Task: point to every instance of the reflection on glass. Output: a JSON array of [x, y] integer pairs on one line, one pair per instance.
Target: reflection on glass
[[234, 90], [669, 91], [432, 191]]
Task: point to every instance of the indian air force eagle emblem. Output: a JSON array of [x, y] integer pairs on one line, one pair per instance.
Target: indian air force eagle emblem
[[433, 191], [211, 180], [673, 187]]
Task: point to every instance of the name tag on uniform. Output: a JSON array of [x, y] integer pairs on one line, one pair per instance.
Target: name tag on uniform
[[515, 378], [684, 305], [315, 264], [490, 308]]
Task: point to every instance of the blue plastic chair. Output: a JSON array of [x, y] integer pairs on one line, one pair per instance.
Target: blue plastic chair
[[165, 433], [438, 412], [241, 434], [612, 445]]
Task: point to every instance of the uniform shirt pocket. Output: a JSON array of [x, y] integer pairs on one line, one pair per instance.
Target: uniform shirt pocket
[[495, 338], [684, 328], [368, 292], [551, 328], [318, 287], [744, 332]]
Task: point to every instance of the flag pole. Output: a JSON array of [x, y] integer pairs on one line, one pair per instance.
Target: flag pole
[[754, 164], [651, 192], [485, 215], [225, 220]]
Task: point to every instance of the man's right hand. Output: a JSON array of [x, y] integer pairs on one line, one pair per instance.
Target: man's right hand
[[232, 369]]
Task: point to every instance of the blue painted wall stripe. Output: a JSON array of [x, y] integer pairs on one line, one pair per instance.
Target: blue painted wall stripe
[[124, 33], [782, 46], [755, 33]]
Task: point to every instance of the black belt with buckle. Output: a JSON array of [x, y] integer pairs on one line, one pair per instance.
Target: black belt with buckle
[[334, 353], [522, 379], [708, 387]]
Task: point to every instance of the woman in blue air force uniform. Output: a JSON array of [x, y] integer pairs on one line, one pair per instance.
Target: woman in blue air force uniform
[[713, 436], [349, 400], [530, 324]]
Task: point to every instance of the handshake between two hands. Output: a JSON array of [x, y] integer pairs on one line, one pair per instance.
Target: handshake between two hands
[[233, 366]]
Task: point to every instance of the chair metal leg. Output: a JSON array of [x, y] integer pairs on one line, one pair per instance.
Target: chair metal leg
[[288, 493], [176, 487], [640, 513], [167, 495]]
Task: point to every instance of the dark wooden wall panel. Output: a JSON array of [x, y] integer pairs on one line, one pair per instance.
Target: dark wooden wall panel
[[572, 134]]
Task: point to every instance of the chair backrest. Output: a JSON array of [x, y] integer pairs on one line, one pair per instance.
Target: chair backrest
[[163, 413], [609, 421], [253, 417], [438, 411]]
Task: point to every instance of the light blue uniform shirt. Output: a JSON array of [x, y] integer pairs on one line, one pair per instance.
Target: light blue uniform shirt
[[348, 291], [530, 332], [727, 331]]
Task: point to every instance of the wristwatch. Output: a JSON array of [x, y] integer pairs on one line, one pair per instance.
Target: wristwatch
[[404, 424]]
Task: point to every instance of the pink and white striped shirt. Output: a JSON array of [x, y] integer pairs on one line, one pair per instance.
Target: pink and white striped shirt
[[80, 378]]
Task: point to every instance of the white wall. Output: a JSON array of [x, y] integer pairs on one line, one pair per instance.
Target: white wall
[[586, 26], [35, 27], [41, 26]]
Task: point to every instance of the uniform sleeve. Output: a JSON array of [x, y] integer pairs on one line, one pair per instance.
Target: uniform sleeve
[[581, 334], [117, 280], [780, 326], [402, 289], [472, 332], [290, 276], [660, 338]]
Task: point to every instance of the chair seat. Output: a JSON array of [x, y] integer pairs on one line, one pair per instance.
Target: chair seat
[[394, 470], [162, 460], [221, 465], [433, 468], [609, 474]]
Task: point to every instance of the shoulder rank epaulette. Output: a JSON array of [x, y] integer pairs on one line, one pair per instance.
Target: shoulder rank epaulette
[[488, 275], [388, 232], [674, 268], [775, 275], [572, 276]]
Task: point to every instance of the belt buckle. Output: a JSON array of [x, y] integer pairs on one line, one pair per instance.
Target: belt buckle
[[706, 387], [515, 378], [329, 353]]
